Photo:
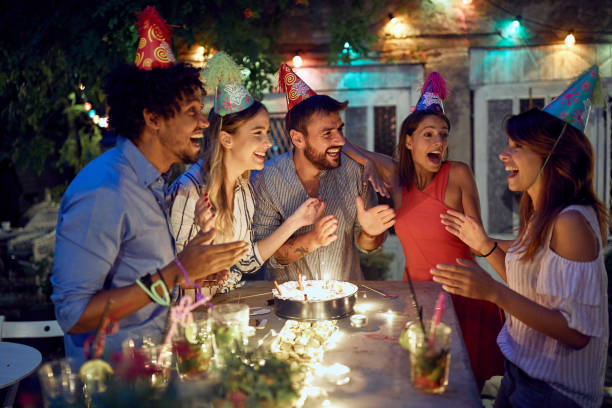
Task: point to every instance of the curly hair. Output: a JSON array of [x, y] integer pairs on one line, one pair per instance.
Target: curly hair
[[129, 91]]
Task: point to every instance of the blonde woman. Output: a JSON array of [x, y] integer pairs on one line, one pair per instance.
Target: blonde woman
[[216, 193]]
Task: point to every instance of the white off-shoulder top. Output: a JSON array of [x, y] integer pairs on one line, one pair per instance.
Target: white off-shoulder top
[[579, 291]]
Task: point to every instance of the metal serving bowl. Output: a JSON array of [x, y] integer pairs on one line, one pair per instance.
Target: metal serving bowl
[[314, 310]]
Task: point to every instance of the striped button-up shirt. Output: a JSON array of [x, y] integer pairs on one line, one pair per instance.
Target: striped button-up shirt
[[279, 192], [578, 290]]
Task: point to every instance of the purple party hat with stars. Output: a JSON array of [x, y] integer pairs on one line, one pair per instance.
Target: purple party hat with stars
[[433, 93]]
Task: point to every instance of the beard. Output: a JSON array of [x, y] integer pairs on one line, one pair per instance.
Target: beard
[[320, 160], [189, 157]]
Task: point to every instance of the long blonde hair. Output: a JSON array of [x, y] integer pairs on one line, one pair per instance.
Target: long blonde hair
[[213, 155]]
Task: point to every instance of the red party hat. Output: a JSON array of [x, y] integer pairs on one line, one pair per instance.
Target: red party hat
[[154, 44], [294, 87]]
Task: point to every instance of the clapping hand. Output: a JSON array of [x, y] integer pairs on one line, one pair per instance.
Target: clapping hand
[[468, 229], [465, 279], [202, 260], [204, 217], [324, 231], [216, 279], [309, 212], [376, 220]]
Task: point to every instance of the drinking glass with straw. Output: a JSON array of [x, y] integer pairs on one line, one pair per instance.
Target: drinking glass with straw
[[429, 351]]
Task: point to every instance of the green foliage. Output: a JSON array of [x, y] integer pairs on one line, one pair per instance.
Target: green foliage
[[351, 22], [247, 30], [376, 266], [82, 143], [243, 377], [48, 50]]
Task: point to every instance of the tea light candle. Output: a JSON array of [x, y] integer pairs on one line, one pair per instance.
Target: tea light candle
[[359, 320], [338, 374]]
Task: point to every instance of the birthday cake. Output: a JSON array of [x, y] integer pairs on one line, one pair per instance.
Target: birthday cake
[[314, 290]]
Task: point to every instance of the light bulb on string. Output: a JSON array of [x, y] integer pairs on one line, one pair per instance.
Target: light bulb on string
[[297, 60], [396, 27], [87, 106], [516, 24], [92, 113], [513, 30], [570, 40], [96, 119]]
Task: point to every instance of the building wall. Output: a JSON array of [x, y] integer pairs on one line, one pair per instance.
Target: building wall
[[441, 34]]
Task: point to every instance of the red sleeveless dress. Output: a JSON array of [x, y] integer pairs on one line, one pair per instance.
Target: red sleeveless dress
[[426, 243]]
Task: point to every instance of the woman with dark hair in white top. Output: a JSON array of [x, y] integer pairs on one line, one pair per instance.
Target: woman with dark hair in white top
[[556, 336]]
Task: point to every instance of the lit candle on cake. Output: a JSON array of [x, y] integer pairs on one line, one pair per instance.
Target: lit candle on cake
[[299, 279]]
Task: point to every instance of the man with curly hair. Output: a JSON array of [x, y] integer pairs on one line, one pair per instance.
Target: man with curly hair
[[114, 240]]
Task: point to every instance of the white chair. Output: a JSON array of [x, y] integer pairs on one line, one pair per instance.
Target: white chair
[[26, 330]]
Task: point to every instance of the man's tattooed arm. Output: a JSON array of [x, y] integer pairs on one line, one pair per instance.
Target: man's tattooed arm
[[294, 249]]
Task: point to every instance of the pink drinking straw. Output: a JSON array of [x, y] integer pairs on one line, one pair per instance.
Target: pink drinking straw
[[440, 303], [181, 313]]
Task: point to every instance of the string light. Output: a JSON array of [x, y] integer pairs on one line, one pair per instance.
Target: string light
[[513, 30], [396, 27], [570, 40], [297, 60], [88, 108], [524, 21]]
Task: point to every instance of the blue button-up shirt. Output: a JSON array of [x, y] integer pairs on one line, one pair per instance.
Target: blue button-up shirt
[[113, 227]]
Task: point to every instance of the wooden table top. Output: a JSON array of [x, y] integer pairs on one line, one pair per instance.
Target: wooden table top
[[17, 361], [380, 367]]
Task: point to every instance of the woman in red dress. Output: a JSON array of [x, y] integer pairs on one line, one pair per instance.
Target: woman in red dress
[[423, 186]]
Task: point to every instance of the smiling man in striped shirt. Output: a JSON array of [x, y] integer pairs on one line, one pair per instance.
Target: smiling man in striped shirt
[[316, 167]]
